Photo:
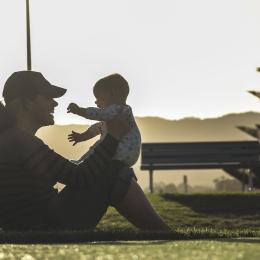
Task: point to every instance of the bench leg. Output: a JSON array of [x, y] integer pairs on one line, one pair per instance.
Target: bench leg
[[251, 185], [243, 180], [151, 181]]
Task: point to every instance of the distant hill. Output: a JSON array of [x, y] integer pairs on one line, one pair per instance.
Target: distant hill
[[155, 129]]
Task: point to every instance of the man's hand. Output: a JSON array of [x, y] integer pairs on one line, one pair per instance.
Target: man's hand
[[121, 123], [75, 137]]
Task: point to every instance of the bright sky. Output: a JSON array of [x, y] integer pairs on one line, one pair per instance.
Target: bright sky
[[182, 58]]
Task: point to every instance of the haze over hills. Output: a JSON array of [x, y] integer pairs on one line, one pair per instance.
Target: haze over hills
[[154, 129]]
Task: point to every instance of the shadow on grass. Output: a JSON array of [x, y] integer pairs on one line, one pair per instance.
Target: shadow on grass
[[70, 236], [212, 204], [240, 240], [111, 236], [158, 242], [118, 243]]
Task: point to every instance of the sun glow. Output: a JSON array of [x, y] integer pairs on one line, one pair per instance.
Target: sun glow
[[181, 58]]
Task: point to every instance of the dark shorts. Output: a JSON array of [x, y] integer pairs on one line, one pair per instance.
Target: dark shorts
[[83, 209]]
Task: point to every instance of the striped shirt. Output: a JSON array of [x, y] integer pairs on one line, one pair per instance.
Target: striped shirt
[[29, 169]]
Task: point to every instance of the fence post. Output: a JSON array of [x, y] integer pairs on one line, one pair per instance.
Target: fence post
[[185, 183]]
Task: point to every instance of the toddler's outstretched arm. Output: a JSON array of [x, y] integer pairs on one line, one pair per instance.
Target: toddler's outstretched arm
[[91, 132], [75, 109], [80, 137]]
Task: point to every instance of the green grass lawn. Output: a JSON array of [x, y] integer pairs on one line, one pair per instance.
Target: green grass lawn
[[206, 226], [221, 249], [206, 210]]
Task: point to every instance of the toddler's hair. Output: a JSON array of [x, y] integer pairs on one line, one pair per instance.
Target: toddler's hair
[[115, 81]]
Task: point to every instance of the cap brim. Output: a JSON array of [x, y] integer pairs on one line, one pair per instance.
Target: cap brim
[[53, 91]]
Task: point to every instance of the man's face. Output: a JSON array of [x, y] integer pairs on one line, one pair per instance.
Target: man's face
[[41, 110]]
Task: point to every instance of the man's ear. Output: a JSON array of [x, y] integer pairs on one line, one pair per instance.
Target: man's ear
[[26, 102]]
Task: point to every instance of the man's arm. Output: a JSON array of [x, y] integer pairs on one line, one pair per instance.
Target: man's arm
[[38, 159]]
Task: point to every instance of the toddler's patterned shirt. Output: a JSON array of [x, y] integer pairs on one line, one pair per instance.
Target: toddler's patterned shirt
[[128, 150]]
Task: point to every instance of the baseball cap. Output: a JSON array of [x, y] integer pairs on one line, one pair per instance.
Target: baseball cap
[[22, 83]]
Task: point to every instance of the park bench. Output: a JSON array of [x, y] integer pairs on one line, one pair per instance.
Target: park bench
[[199, 155]]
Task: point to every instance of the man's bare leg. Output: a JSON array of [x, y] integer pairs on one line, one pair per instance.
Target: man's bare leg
[[137, 209]]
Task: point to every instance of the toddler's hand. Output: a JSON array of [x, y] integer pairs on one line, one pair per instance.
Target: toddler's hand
[[73, 108], [74, 137]]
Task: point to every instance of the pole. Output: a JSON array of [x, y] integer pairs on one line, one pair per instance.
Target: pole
[[29, 62]]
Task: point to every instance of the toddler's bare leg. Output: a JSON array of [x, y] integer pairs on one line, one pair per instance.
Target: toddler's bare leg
[[137, 209]]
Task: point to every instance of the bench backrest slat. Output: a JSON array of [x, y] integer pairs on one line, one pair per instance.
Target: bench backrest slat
[[211, 153], [175, 160], [196, 145]]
